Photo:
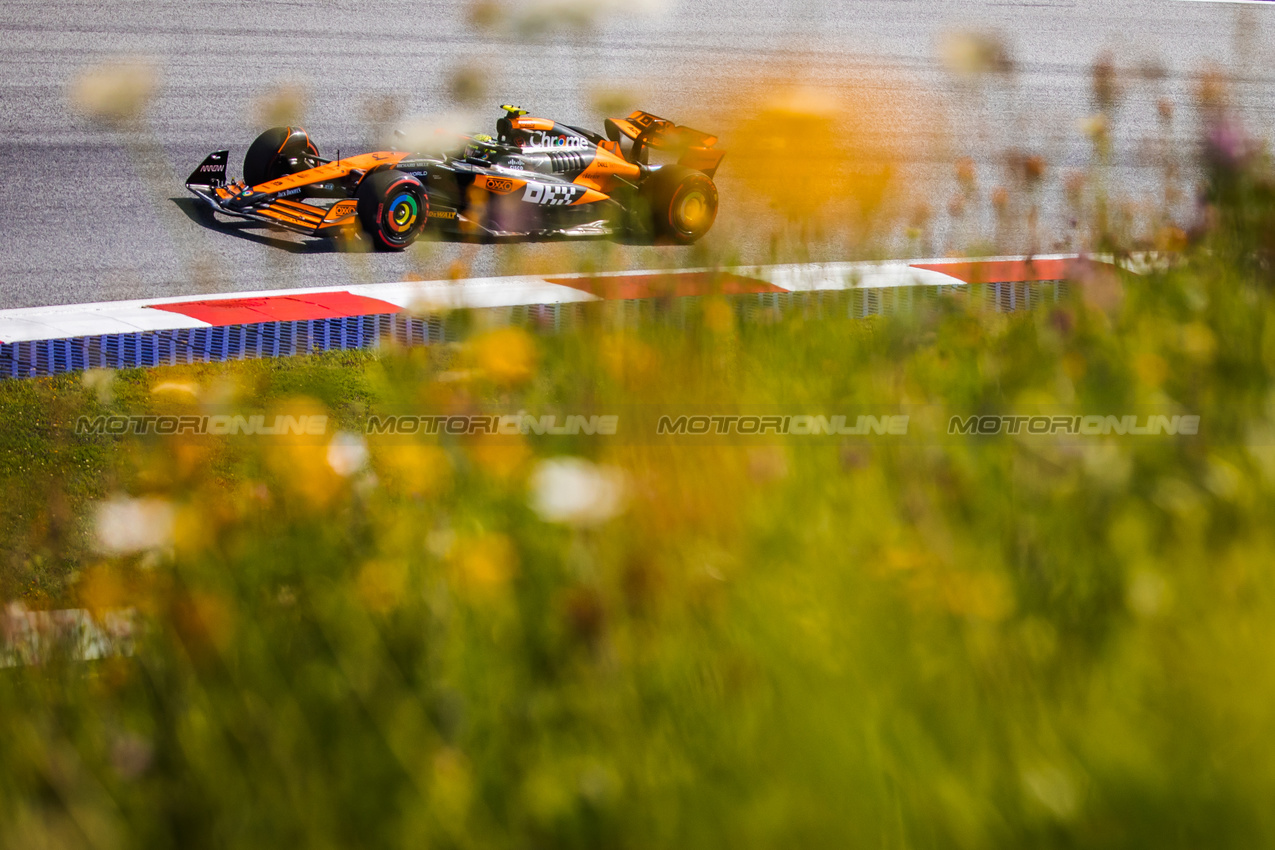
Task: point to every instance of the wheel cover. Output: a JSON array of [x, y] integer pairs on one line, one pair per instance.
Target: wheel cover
[[691, 213], [401, 214]]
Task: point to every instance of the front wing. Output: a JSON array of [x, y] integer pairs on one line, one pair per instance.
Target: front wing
[[270, 202], [291, 215]]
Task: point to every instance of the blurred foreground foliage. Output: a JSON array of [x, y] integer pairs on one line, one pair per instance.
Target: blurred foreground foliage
[[1000, 642]]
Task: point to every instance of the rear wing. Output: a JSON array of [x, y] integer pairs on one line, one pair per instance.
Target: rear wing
[[695, 149]]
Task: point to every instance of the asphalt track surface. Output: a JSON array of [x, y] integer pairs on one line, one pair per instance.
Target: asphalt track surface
[[90, 213]]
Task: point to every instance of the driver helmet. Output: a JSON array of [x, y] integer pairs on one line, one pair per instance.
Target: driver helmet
[[482, 147]]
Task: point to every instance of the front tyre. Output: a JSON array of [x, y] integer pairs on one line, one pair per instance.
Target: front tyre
[[682, 203], [276, 153], [392, 208]]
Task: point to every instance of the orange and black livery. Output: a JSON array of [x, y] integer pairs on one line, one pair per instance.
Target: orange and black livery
[[536, 178]]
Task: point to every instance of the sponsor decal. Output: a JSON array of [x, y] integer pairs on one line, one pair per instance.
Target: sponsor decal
[[448, 214], [342, 208], [541, 139], [496, 184], [219, 168], [287, 192], [551, 195]]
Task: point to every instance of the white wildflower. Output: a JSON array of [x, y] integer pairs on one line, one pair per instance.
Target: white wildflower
[[347, 454], [574, 491], [123, 525]]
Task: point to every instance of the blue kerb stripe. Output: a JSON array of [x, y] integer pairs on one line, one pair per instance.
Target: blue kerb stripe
[[202, 345], [285, 339]]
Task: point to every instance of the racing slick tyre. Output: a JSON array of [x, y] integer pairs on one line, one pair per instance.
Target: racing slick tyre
[[392, 208], [274, 154], [682, 203]]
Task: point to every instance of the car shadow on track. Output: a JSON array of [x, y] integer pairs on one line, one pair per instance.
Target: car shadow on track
[[200, 213]]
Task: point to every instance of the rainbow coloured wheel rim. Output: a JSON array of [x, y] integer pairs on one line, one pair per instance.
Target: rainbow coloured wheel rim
[[401, 214], [393, 209]]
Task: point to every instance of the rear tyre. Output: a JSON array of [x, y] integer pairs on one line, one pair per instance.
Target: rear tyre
[[392, 208], [682, 203], [276, 153]]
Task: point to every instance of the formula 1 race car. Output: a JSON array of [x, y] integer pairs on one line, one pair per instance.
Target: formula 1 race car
[[535, 179]]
